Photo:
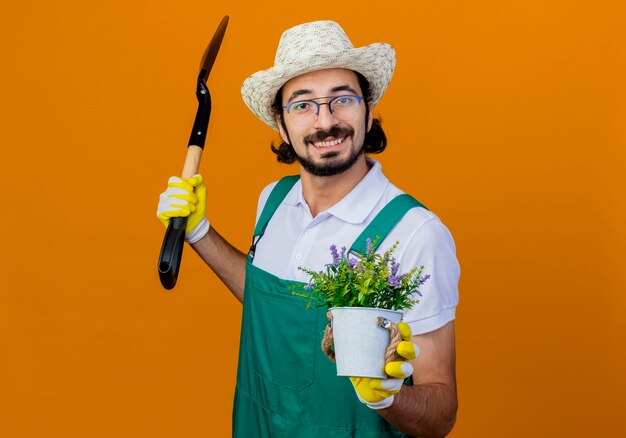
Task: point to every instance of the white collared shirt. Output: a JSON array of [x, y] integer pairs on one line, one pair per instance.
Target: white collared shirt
[[294, 238]]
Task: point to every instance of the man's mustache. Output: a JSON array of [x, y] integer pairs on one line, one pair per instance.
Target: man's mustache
[[335, 131]]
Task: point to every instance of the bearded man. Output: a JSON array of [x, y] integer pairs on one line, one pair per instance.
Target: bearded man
[[320, 96]]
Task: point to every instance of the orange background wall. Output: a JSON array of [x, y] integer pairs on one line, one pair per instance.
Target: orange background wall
[[505, 118]]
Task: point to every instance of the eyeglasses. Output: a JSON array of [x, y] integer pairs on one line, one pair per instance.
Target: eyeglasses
[[306, 111]]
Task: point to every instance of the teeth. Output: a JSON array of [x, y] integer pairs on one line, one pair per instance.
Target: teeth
[[325, 144]]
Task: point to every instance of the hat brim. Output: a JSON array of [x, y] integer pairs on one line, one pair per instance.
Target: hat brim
[[376, 62]]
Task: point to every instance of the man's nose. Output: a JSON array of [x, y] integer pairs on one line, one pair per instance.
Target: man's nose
[[325, 118]]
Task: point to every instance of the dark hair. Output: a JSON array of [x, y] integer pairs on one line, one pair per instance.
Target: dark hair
[[375, 140]]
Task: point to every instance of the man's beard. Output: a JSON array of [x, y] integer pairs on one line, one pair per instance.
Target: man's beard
[[330, 167]]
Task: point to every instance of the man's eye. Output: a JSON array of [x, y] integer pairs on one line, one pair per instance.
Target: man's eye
[[344, 100], [301, 106]]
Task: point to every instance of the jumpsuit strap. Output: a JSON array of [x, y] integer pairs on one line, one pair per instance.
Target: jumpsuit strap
[[280, 190], [384, 222]]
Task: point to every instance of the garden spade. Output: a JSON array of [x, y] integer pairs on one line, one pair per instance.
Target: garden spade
[[172, 248]]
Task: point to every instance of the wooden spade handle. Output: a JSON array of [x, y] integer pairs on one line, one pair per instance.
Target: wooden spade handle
[[192, 161]]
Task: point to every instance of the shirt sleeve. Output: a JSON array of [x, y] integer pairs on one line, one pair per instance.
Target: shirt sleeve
[[432, 246]]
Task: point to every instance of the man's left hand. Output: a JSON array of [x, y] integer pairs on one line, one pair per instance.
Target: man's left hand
[[378, 393]]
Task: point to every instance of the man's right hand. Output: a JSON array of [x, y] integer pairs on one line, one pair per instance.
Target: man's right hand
[[185, 198]]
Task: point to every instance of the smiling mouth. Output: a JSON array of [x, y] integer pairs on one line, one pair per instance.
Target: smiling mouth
[[325, 144]]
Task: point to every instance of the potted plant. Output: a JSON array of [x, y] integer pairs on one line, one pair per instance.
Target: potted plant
[[365, 296]]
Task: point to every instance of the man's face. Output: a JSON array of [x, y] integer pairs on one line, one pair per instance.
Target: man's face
[[330, 143]]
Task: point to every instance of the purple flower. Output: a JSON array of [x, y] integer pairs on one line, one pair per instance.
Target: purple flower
[[335, 254], [424, 278], [394, 281], [394, 266], [369, 245], [352, 263]]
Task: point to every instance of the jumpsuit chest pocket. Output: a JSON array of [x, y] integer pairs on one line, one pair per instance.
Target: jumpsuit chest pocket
[[281, 333]]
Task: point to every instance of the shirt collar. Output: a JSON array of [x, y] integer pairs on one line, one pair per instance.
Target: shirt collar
[[357, 205]]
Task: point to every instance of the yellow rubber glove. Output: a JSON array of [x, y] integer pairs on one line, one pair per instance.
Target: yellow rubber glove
[[185, 198], [378, 393]]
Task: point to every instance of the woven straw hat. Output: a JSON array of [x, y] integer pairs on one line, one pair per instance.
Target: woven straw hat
[[316, 46]]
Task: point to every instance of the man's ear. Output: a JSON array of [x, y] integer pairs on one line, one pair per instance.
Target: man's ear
[[282, 132], [370, 115]]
